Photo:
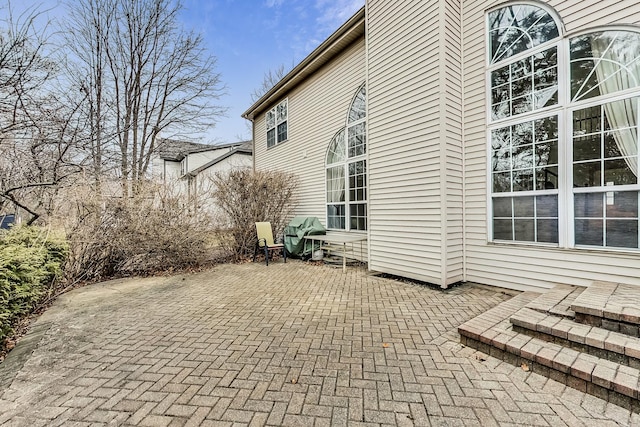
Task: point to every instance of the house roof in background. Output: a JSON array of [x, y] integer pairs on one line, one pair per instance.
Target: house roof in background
[[175, 150], [239, 150]]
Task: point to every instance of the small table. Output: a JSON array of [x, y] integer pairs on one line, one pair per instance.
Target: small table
[[339, 238]]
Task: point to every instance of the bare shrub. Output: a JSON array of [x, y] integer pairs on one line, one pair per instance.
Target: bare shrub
[[151, 232], [245, 197]]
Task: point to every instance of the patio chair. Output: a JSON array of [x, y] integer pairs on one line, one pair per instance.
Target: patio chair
[[266, 243]]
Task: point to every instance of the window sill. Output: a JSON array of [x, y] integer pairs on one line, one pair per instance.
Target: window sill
[[578, 249]]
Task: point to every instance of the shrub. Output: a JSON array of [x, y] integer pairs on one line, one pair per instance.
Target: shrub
[[245, 197], [30, 262], [151, 232]]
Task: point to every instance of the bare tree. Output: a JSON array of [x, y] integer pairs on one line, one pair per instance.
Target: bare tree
[[144, 75], [38, 129], [269, 80]]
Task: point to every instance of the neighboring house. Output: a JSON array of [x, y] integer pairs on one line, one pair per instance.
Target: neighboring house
[[485, 141], [189, 166]]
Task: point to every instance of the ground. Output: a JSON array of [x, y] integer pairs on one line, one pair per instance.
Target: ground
[[289, 344]]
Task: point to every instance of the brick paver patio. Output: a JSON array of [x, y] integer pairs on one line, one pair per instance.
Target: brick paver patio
[[289, 344]]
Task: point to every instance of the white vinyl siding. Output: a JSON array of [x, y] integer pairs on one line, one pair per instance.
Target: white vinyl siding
[[318, 108], [514, 265], [415, 152]]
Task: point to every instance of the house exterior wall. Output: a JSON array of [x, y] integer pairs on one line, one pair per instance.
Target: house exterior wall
[[415, 144], [195, 160], [424, 63], [513, 265], [317, 110]]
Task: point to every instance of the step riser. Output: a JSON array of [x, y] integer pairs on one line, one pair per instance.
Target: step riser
[[567, 379], [611, 325], [584, 348]]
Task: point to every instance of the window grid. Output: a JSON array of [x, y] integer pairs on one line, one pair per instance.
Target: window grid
[[526, 218], [277, 124], [347, 152], [600, 69]]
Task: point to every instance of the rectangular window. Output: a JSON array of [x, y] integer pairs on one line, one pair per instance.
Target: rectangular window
[[607, 219], [525, 85], [277, 124], [357, 195], [524, 160], [526, 218]]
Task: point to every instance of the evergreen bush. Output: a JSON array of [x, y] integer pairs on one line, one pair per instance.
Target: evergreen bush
[[30, 261]]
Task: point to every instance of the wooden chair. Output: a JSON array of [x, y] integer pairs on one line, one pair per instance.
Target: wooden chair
[[266, 243]]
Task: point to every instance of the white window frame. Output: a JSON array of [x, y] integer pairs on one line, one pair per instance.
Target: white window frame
[[277, 123], [564, 111], [348, 203]]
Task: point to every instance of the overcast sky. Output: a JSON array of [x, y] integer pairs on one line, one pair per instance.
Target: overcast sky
[[249, 37]]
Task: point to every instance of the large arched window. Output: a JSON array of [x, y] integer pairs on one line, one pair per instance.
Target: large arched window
[[346, 170], [562, 134], [523, 73]]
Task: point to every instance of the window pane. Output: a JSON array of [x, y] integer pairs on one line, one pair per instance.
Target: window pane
[[534, 219], [522, 87], [523, 206], [502, 229], [587, 120], [587, 148], [525, 85], [522, 105], [587, 174], [617, 172], [547, 230], [335, 184], [603, 63], [611, 148], [282, 111], [547, 178], [502, 207], [337, 152], [502, 182], [589, 232], [500, 138], [336, 216], [282, 132], [588, 205], [547, 206], [622, 204], [502, 160], [358, 108], [622, 233], [546, 129], [357, 216], [357, 140], [524, 230], [271, 138], [523, 180], [500, 76], [516, 28], [271, 119], [523, 157]]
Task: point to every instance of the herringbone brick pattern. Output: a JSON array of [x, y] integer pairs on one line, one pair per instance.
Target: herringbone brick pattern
[[289, 344]]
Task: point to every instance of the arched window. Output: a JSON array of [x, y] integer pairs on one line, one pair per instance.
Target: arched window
[[346, 170], [539, 134], [523, 72], [517, 28]]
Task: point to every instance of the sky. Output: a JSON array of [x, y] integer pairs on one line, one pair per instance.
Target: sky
[[248, 38]]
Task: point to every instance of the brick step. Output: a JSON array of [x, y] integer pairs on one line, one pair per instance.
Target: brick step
[[612, 306], [493, 333], [610, 345], [557, 300]]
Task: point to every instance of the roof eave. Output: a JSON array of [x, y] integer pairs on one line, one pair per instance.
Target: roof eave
[[353, 28]]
